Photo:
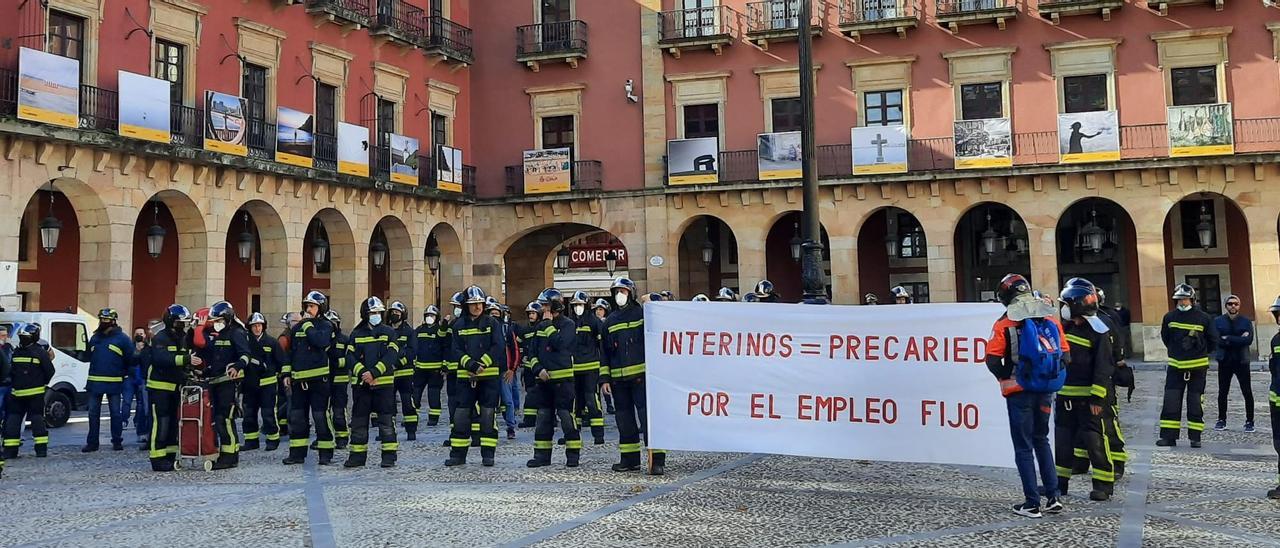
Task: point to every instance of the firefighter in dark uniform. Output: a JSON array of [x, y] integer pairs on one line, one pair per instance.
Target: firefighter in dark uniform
[[339, 380], [229, 357], [397, 319], [553, 367], [765, 292], [1273, 396], [170, 354], [726, 295], [1189, 336], [528, 350], [451, 360], [258, 389], [1119, 377], [477, 340], [30, 371], [622, 372], [1078, 415], [308, 381], [428, 364], [373, 356], [586, 365]]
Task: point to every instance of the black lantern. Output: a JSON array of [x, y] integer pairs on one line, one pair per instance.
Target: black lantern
[[562, 260], [244, 242], [891, 245], [50, 227], [433, 255], [795, 244], [989, 238], [611, 261], [319, 248], [378, 253], [1204, 230], [155, 235], [708, 252], [1092, 237]]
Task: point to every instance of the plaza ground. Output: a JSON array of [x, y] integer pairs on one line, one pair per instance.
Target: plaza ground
[[1181, 497]]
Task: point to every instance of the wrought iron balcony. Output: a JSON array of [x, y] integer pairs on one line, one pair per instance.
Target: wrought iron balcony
[[1053, 11], [400, 22], [186, 126], [714, 27], [779, 21], [1163, 5], [954, 13], [348, 13], [558, 41], [858, 17], [326, 155], [99, 108], [8, 92], [262, 139], [449, 40], [587, 175]]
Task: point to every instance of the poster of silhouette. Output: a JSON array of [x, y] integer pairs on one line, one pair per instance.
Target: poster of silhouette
[[693, 161], [1089, 137], [879, 149], [1201, 130], [48, 88], [404, 159], [294, 140], [983, 143], [225, 127], [353, 149], [144, 107], [778, 155], [448, 169]]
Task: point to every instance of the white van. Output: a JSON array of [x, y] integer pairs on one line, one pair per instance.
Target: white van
[[68, 336]]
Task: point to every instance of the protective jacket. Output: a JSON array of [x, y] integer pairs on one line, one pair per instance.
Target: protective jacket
[[1189, 337], [586, 350], [110, 356], [556, 343], [30, 370], [1091, 364], [373, 349], [170, 355], [622, 346], [477, 342], [309, 343]]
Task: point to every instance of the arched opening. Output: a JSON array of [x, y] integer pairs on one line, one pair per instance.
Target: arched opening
[[156, 255], [256, 260], [329, 259], [445, 271], [1206, 245], [568, 256], [990, 241], [1097, 241], [782, 258], [893, 251], [708, 257], [391, 259], [49, 263]]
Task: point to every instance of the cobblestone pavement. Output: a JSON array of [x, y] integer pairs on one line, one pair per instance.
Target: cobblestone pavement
[[1180, 497]]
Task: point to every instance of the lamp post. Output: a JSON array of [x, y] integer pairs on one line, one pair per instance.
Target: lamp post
[[378, 251], [155, 234], [433, 263], [319, 247], [811, 275], [1204, 230], [244, 242], [50, 227], [562, 260], [797, 244]]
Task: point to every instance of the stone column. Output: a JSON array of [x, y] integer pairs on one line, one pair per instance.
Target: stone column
[[1264, 253], [942, 261], [1155, 289], [1043, 247], [844, 269]]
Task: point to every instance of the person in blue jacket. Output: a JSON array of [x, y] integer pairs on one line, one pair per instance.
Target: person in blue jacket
[[110, 358], [1235, 337], [135, 389]]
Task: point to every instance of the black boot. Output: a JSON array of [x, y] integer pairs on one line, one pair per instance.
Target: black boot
[[1166, 442], [341, 443], [117, 446], [457, 457], [388, 459], [163, 464], [355, 460], [1064, 485], [1118, 466], [486, 455], [272, 445], [297, 455], [225, 461], [325, 457], [541, 457], [250, 445], [657, 463], [433, 420], [1101, 491], [1274, 493], [42, 451], [447, 443], [89, 448], [630, 463], [571, 458]]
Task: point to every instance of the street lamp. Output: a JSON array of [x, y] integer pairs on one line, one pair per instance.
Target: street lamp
[[155, 234], [378, 251], [319, 247], [562, 260], [708, 252], [611, 261], [891, 245], [50, 227], [989, 238], [1204, 230], [812, 278], [244, 242], [1092, 237], [796, 244], [433, 255]]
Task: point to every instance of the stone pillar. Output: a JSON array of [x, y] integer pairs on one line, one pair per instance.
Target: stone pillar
[[1043, 248], [1264, 254], [654, 238], [653, 94], [942, 262], [751, 255], [1155, 289], [844, 269], [106, 261]]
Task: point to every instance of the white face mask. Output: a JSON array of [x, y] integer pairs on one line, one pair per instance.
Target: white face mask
[[457, 312], [621, 298], [431, 320], [219, 326], [1184, 307], [1065, 312], [579, 309], [375, 319]]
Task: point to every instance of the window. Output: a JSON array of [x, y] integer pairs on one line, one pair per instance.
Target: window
[[555, 11], [326, 109], [1192, 213], [557, 132], [882, 108], [70, 338], [784, 14], [911, 242], [386, 120], [700, 18], [439, 129], [1194, 85], [1085, 93], [66, 36], [919, 291], [701, 121], [170, 60], [1208, 291], [786, 114], [253, 87], [981, 101]]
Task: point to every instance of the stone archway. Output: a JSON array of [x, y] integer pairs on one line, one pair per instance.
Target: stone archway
[[707, 257], [451, 275], [77, 275], [180, 273], [336, 273], [394, 279], [1206, 244], [782, 266], [892, 251], [259, 282], [529, 261], [990, 241], [1096, 241]]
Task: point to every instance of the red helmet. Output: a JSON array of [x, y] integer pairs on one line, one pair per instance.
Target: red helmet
[[1010, 287]]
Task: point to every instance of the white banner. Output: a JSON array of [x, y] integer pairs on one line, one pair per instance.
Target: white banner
[[893, 383]]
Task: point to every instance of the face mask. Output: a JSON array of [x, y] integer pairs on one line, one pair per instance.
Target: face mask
[[375, 319], [138, 338], [621, 298], [457, 311], [431, 320], [579, 309], [219, 326], [1184, 307], [533, 318], [1065, 312]]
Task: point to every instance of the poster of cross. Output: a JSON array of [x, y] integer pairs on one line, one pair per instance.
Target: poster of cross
[[879, 149]]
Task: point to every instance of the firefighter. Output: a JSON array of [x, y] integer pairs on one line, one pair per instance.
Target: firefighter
[[288, 320], [870, 299], [30, 371], [451, 360], [1079, 409], [765, 292], [601, 309], [586, 365], [553, 367], [170, 354], [307, 378], [700, 298], [528, 345], [477, 340], [622, 375], [229, 358], [901, 295], [258, 389], [110, 357], [397, 319], [428, 364], [726, 295], [339, 380], [373, 356], [1273, 396], [1121, 376], [1189, 336]]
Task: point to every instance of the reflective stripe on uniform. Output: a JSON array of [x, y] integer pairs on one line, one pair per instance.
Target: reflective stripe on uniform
[[403, 373], [1189, 364], [311, 373], [1187, 326], [628, 370], [102, 378], [116, 349], [28, 392], [1076, 340], [628, 448], [1171, 424], [626, 325], [161, 385], [588, 366], [557, 374], [428, 365], [268, 381]]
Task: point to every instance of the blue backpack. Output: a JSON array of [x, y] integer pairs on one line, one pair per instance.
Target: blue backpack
[[1039, 366]]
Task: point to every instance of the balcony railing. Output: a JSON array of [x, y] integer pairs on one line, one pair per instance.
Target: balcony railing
[[775, 15], [380, 162], [326, 155], [960, 7], [400, 21], [348, 12], [551, 39], [587, 175], [98, 108], [871, 11], [262, 139], [186, 126], [8, 92], [450, 39], [698, 24], [954, 13]]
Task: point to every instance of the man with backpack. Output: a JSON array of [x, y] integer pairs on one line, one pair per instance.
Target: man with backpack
[[1079, 411], [1189, 336], [1026, 353]]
